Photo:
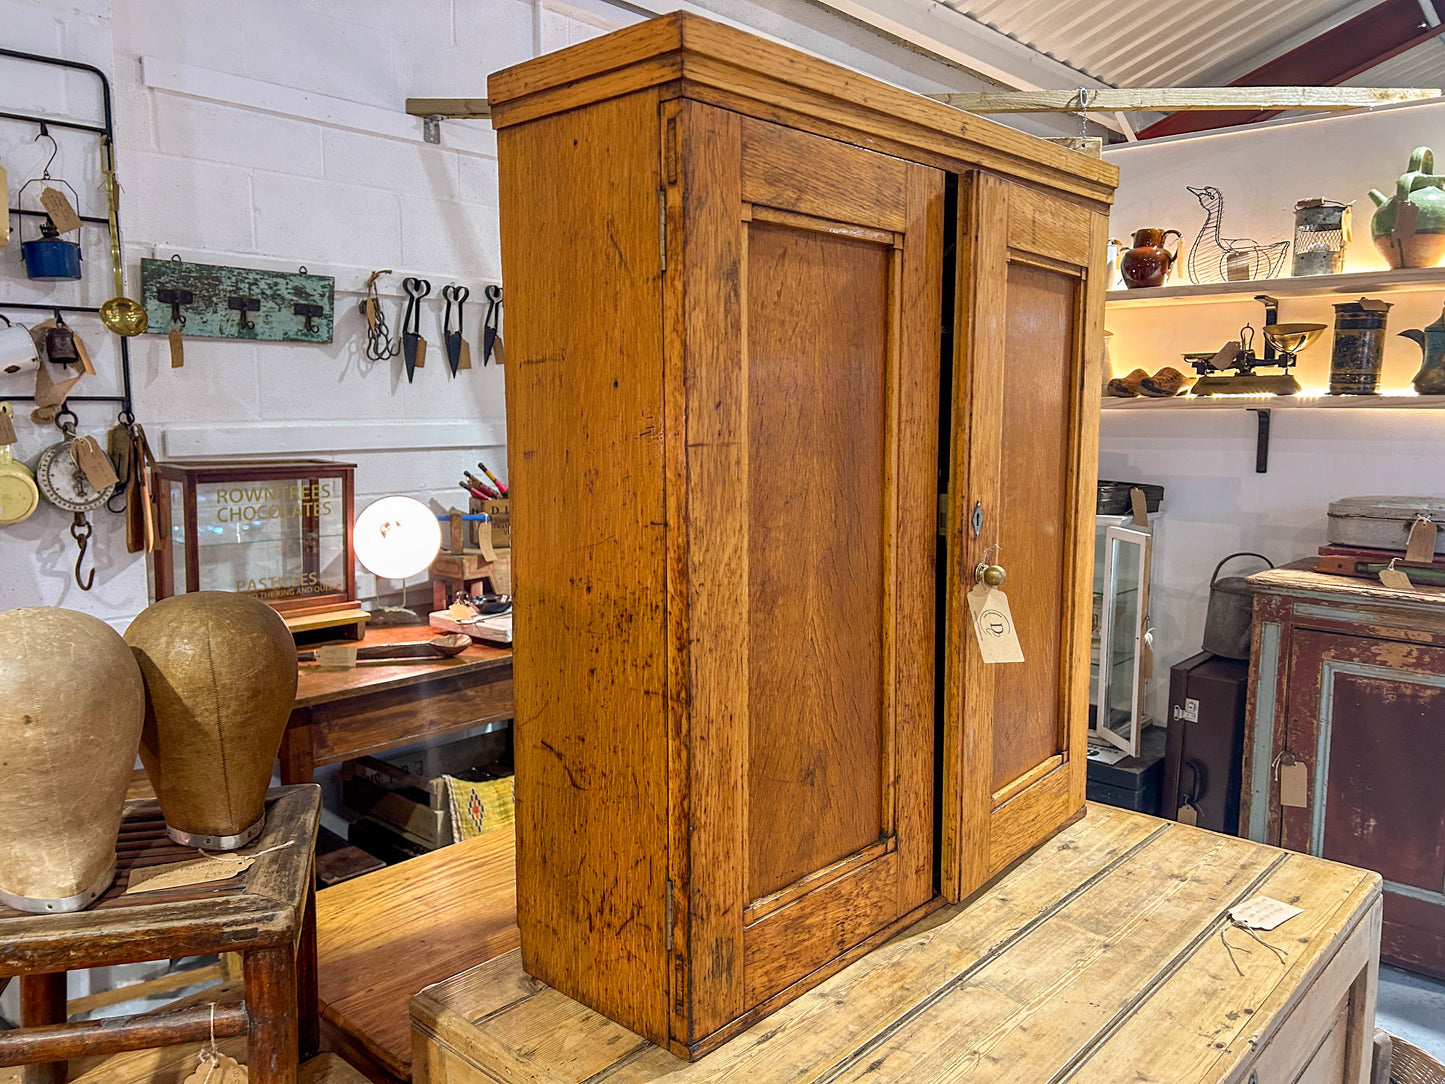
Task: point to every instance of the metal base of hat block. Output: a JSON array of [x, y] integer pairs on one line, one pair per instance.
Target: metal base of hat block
[[79, 902], [217, 843]]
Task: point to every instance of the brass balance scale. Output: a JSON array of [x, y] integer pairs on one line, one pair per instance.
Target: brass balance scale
[[1233, 369]]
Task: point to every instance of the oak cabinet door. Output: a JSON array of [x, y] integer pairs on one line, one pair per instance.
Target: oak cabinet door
[[802, 316], [1367, 719], [1023, 451]]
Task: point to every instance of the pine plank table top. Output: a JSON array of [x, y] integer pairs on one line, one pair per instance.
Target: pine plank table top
[[317, 684], [1104, 957], [383, 936]]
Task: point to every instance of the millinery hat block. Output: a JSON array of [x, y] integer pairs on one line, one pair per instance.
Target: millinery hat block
[[71, 706], [220, 680]]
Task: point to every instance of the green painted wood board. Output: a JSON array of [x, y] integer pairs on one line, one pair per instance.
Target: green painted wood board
[[213, 285]]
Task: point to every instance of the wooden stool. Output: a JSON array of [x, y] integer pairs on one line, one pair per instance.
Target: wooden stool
[[266, 914]]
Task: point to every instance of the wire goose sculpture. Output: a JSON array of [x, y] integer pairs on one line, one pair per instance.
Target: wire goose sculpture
[[1211, 257]]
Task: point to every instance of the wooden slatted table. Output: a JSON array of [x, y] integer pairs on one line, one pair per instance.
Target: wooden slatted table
[[385, 935], [1103, 957], [265, 914]]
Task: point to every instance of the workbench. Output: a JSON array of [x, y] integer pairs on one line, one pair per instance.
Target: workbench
[[345, 713], [1104, 956]]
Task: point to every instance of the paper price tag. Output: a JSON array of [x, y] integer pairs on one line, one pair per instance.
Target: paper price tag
[[178, 350], [1263, 913], [464, 357], [1407, 217], [99, 471], [1396, 579], [217, 1068], [342, 656], [193, 872], [1187, 814], [83, 353], [1421, 547], [58, 207], [498, 354], [993, 625], [420, 353], [369, 308], [1294, 785], [7, 427], [1139, 505]]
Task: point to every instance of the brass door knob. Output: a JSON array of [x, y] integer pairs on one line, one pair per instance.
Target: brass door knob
[[993, 575]]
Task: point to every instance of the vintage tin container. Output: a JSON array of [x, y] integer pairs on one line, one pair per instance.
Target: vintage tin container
[[1359, 349], [1383, 523]]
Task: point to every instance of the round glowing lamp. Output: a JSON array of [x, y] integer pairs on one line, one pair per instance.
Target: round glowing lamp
[[397, 537]]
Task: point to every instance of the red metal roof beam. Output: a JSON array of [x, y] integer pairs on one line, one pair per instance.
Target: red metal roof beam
[[1355, 46]]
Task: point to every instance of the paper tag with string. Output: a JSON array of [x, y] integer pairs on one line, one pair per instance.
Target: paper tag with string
[[1421, 547], [99, 471], [7, 427], [215, 1067], [464, 357], [1187, 814], [420, 353], [368, 308], [1396, 578], [83, 353], [57, 206], [178, 350], [993, 625], [208, 867], [1263, 913]]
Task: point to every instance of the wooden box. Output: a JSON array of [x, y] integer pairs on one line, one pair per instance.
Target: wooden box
[[792, 352], [1347, 688]]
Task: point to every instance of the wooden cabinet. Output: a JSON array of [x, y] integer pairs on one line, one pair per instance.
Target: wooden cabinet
[[1348, 688], [775, 332]]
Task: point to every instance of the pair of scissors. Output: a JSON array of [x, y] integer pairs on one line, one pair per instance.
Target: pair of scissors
[[413, 346], [459, 294], [489, 325]]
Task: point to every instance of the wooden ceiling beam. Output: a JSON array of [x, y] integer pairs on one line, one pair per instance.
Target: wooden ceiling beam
[[1182, 99], [1356, 45]]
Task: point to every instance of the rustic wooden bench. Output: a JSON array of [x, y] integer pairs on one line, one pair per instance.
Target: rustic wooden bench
[[1105, 956]]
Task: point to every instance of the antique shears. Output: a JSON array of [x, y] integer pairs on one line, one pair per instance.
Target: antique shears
[[489, 325], [413, 346], [459, 294]]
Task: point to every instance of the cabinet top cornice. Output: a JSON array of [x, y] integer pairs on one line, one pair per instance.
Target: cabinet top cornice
[[687, 56]]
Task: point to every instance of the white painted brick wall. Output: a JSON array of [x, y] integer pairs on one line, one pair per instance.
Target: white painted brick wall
[[220, 181]]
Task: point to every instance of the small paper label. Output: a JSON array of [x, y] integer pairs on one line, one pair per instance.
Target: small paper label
[[99, 471], [1146, 656], [420, 353], [193, 872], [1407, 216], [1226, 356], [338, 655], [1187, 814], [1396, 579], [83, 354], [1421, 547], [217, 1068], [1263, 913], [464, 356], [498, 354], [1140, 507], [484, 541], [7, 427], [460, 611], [369, 308], [1294, 785], [993, 625], [57, 206], [178, 350]]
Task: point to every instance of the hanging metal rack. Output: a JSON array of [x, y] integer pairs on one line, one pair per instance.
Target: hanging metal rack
[[106, 132]]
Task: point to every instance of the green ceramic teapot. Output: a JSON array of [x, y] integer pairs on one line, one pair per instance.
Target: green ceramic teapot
[[1430, 380], [1414, 238]]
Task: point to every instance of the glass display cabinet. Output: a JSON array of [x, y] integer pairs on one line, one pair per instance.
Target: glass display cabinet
[[280, 530], [1120, 661]]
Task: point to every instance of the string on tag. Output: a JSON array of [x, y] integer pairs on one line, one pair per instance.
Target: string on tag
[[1235, 924]]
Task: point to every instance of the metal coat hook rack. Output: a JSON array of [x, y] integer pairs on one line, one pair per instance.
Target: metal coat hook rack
[[106, 131]]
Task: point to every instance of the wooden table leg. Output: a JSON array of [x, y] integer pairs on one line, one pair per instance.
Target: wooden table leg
[[42, 1001], [271, 1045], [298, 763], [308, 1019]]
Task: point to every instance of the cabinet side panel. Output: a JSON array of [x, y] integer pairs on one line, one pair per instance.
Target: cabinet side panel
[[582, 264]]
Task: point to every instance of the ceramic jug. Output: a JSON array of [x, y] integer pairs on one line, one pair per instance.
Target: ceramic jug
[[1416, 237], [71, 705], [1430, 380], [220, 679], [1148, 263]]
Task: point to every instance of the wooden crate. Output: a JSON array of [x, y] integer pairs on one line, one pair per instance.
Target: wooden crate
[[1101, 958]]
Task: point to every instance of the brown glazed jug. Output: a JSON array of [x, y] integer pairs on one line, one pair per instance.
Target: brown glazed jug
[[1148, 263]]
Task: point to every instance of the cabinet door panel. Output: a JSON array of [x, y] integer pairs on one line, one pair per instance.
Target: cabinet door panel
[[1023, 450], [816, 400], [810, 457], [1363, 715]]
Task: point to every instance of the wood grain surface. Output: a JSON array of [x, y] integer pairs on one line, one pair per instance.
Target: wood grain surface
[[320, 685], [1072, 967], [383, 936]]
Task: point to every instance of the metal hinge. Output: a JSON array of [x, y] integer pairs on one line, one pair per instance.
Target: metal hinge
[[669, 916], [662, 227]]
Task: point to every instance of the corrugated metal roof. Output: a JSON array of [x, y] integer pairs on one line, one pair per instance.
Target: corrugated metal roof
[[1422, 66], [1147, 43]]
